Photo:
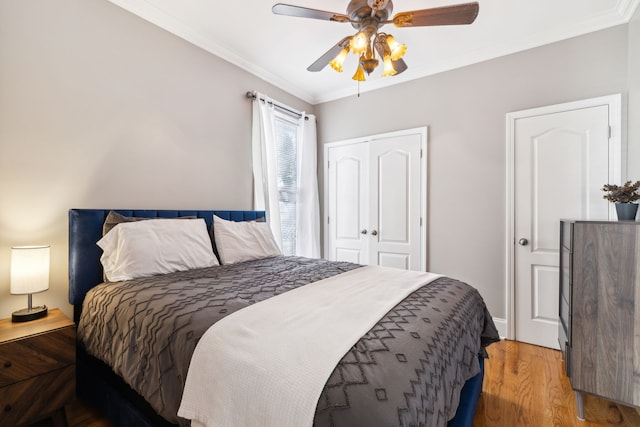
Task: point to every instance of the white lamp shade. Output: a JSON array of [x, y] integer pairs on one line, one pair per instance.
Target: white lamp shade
[[29, 269]]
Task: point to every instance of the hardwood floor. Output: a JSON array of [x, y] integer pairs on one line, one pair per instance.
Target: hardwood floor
[[79, 414], [524, 385]]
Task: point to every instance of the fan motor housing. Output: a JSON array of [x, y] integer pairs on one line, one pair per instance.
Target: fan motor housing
[[360, 12]]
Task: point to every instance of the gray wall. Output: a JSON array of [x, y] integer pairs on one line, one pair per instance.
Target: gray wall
[[99, 108], [465, 111], [634, 97]]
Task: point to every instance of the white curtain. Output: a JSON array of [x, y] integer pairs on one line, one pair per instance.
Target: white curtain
[[265, 176], [265, 172], [308, 205]]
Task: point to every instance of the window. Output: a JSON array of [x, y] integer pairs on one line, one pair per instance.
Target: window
[[286, 132], [284, 157]]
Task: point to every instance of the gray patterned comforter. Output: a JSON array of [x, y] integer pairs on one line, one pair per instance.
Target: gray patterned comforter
[[406, 371]]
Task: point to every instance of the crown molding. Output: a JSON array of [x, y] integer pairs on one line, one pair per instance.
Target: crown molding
[[626, 8]]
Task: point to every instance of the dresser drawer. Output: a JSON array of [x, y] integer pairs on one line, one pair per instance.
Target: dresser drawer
[[36, 355], [24, 402]]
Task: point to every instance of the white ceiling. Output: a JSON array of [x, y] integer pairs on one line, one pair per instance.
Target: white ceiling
[[279, 49]]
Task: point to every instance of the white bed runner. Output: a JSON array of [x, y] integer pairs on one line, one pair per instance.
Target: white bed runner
[[266, 365]]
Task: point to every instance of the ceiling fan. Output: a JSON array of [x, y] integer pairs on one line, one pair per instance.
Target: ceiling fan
[[367, 16]]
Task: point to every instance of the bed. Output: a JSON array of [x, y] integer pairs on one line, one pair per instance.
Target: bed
[[98, 384]]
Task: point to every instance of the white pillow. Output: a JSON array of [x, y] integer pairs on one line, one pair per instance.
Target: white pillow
[[243, 240], [155, 246]]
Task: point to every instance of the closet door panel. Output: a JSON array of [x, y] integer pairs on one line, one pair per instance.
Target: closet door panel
[[348, 189], [395, 203]]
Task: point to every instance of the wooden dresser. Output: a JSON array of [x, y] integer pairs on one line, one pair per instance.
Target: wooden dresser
[[37, 369], [599, 331]]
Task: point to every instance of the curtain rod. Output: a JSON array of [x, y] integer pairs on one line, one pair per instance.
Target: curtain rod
[[252, 95]]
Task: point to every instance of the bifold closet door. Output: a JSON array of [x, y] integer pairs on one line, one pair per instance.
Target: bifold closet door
[[374, 198]]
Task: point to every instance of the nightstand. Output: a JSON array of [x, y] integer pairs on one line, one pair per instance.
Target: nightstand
[[37, 369]]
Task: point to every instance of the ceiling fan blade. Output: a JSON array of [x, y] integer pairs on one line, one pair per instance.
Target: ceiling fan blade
[[305, 12], [458, 14], [329, 55], [399, 65]]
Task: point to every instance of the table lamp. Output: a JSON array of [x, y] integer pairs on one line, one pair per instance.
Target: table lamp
[[29, 275]]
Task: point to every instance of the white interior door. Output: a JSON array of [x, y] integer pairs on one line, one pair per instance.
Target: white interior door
[[348, 172], [395, 201], [562, 160], [375, 200]]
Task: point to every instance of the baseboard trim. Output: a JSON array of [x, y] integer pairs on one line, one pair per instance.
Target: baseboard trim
[[501, 325]]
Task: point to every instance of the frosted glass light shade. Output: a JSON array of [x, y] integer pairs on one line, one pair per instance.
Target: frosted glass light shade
[[29, 269], [359, 43], [336, 63], [388, 67], [397, 50]]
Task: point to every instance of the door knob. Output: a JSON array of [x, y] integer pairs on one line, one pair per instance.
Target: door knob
[[364, 231], [523, 242], [374, 233]]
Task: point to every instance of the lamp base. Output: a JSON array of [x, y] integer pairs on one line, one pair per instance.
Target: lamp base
[[28, 314]]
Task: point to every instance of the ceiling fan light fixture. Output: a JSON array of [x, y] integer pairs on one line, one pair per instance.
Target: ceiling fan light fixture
[[336, 63], [368, 61], [367, 17], [369, 64], [359, 43], [359, 75], [397, 49]]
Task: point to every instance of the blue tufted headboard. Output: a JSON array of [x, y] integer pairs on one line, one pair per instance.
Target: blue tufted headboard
[[85, 229]]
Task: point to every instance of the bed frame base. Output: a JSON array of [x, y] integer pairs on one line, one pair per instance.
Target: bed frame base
[[100, 387]]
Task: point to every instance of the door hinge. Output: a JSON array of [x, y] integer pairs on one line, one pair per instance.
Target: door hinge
[[420, 221], [609, 132], [328, 164], [328, 220], [421, 153]]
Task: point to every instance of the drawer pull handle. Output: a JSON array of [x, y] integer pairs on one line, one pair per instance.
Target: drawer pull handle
[[7, 364], [7, 408]]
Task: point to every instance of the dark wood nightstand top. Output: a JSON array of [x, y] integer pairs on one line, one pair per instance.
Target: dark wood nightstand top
[[55, 319]]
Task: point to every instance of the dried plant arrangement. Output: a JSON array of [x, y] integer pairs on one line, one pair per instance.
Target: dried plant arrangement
[[626, 193]]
